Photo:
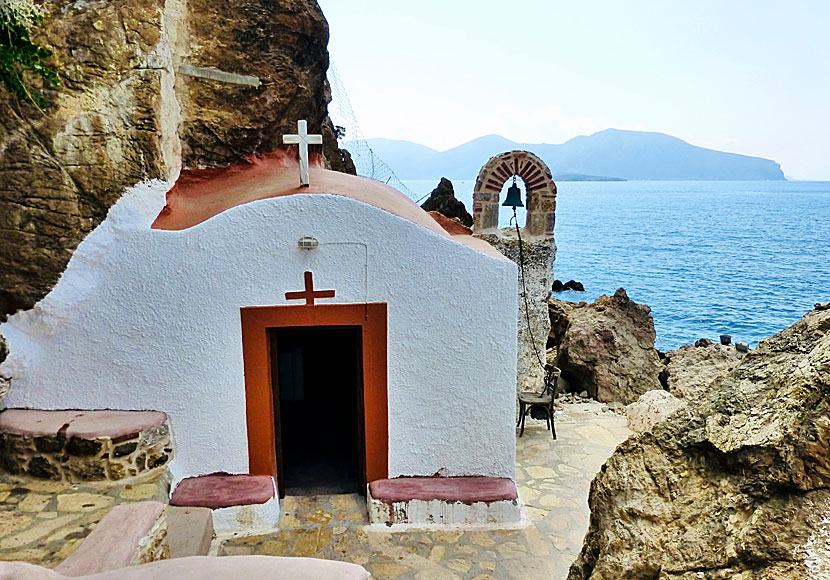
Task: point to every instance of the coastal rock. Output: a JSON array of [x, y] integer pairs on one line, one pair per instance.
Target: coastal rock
[[442, 199], [607, 347], [651, 408], [689, 370], [558, 286], [734, 486], [142, 94]]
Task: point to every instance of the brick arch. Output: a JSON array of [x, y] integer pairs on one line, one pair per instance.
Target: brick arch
[[541, 192]]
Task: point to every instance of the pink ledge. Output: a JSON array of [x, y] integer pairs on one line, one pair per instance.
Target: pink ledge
[[82, 424], [220, 490], [451, 489]]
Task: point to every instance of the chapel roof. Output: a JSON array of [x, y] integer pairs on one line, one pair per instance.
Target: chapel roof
[[202, 194]]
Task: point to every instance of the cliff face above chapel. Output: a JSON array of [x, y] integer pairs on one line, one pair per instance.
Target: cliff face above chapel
[[734, 485], [148, 87]]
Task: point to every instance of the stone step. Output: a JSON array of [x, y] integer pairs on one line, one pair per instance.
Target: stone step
[[79, 445], [130, 534], [189, 531], [239, 502], [208, 568], [444, 501]]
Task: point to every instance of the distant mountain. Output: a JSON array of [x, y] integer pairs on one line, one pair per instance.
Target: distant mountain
[[613, 153]]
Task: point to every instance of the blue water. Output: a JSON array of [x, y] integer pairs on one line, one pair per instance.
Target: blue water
[[741, 258]]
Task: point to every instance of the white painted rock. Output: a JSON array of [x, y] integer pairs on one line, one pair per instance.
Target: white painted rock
[[651, 408]]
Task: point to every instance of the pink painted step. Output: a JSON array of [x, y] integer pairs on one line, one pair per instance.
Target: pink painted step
[[113, 542], [207, 568], [82, 424], [451, 489], [220, 490]]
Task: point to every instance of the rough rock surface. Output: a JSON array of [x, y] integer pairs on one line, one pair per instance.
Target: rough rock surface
[[539, 253], [606, 348], [651, 408], [690, 370], [442, 199], [129, 109], [737, 486]]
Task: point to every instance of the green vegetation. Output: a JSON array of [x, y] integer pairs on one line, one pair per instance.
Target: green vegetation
[[19, 55]]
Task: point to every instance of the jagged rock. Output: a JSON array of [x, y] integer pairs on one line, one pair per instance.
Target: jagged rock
[[735, 486], [703, 342], [689, 370], [5, 383], [574, 285], [557, 286], [442, 199], [651, 408], [127, 112], [607, 347]]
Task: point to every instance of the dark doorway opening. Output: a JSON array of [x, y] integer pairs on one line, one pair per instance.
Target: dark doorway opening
[[317, 377]]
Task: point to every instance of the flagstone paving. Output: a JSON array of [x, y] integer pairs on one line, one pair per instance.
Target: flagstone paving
[[42, 522], [553, 476]]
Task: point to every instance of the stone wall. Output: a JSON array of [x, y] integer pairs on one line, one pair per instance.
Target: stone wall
[[539, 254], [80, 459], [135, 104]]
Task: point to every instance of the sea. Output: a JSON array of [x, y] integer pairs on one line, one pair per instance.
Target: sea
[[746, 259]]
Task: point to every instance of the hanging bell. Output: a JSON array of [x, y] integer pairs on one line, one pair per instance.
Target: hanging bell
[[514, 196]]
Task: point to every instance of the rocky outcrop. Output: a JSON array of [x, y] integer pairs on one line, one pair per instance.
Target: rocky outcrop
[[736, 486], [442, 199], [148, 86], [559, 286], [605, 348], [650, 409], [690, 370]]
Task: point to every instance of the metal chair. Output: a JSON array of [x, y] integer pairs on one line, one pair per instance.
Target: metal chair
[[541, 402]]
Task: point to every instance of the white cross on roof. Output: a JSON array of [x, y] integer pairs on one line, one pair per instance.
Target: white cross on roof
[[303, 139]]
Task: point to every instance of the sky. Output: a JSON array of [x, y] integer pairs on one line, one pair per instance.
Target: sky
[[746, 76]]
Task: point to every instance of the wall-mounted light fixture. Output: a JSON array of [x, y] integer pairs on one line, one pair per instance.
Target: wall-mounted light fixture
[[307, 243]]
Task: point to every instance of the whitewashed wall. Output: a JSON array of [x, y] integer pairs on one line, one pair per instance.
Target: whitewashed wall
[[149, 319]]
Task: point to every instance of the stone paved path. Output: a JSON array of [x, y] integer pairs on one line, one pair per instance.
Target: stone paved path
[[554, 478], [44, 521]]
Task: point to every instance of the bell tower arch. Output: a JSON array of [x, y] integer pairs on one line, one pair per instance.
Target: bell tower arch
[[539, 185], [534, 250]]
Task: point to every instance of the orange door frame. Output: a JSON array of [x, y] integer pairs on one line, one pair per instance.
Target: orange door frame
[[259, 402]]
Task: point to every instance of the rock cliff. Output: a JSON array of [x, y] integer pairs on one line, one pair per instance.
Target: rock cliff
[[442, 199], [605, 348], [148, 87], [690, 370], [736, 486]]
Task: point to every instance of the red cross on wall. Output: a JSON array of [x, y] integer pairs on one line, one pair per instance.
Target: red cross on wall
[[309, 294]]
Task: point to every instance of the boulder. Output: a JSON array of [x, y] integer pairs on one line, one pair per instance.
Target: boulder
[[147, 87], [690, 370], [559, 286], [442, 199], [651, 408], [736, 485], [606, 348]]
